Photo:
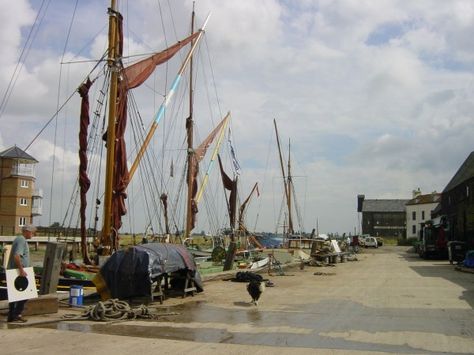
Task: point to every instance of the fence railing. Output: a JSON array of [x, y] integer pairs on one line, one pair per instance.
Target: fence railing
[[24, 170], [7, 230]]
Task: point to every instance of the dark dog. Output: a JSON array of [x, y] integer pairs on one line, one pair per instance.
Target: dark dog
[[255, 289]]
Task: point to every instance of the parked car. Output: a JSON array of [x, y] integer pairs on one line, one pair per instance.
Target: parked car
[[362, 239], [371, 242]]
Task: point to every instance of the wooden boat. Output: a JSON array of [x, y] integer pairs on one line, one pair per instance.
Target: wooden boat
[[292, 240], [110, 200], [259, 264], [108, 121]]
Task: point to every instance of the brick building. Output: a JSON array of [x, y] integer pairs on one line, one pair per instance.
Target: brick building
[[20, 201], [384, 218]]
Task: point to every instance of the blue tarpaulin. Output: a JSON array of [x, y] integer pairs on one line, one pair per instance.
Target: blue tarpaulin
[[131, 272], [469, 261]]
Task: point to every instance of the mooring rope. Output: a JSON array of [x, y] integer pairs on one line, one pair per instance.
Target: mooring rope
[[112, 309]]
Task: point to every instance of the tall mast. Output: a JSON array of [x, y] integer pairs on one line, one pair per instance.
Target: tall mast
[[290, 187], [189, 129], [285, 184], [106, 240]]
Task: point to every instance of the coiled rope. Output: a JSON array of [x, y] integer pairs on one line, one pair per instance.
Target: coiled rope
[[112, 309]]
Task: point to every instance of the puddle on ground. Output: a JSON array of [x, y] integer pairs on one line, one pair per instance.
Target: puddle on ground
[[301, 326]]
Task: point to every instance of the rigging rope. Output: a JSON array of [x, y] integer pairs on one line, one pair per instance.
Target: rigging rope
[[297, 209], [172, 19], [53, 173], [112, 309], [150, 172], [87, 45], [262, 186], [149, 175], [283, 206], [60, 108], [213, 78], [23, 55], [94, 141]]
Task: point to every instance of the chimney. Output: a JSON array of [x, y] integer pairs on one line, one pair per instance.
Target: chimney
[[360, 202], [416, 193]]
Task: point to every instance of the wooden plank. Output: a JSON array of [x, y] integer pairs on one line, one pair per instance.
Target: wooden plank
[[44, 304], [51, 268]]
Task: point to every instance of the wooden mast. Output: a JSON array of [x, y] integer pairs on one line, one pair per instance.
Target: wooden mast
[[189, 129], [106, 237], [286, 184], [290, 187]]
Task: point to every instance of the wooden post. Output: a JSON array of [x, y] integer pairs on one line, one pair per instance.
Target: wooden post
[[229, 259], [51, 268]]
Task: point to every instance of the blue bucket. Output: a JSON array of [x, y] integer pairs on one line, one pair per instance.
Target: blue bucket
[[76, 293]]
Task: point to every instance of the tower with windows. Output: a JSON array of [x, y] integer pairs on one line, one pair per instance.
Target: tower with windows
[[20, 200]]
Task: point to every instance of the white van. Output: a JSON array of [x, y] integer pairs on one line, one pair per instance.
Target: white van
[[371, 242]]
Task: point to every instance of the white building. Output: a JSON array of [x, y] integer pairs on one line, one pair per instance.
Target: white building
[[418, 210]]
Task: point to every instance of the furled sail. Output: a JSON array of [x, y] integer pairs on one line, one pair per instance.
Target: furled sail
[[84, 181], [231, 185], [198, 155], [242, 208], [164, 201]]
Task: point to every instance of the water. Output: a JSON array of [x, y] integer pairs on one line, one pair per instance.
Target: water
[[270, 240]]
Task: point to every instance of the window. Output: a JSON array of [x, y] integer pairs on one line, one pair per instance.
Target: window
[[24, 183], [23, 202], [413, 215], [22, 221], [413, 229], [423, 215]]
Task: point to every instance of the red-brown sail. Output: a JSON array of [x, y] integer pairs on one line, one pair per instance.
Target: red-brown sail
[[164, 201], [84, 181], [133, 76], [241, 225], [198, 155], [230, 185], [137, 73]]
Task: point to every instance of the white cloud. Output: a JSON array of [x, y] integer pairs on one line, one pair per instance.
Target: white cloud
[[10, 34], [424, 40], [355, 109], [464, 12]]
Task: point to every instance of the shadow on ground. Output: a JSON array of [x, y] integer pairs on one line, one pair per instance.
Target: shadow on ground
[[443, 269]]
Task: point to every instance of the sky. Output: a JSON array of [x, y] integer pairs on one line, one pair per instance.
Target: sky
[[376, 97]]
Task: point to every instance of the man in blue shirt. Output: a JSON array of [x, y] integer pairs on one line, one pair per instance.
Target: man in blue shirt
[[20, 259]]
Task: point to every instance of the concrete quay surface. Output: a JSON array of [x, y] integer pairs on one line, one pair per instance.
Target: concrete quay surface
[[389, 301]]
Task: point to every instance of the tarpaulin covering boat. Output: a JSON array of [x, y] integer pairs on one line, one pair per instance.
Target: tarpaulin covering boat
[[131, 272]]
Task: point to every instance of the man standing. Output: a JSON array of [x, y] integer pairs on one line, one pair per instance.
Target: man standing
[[20, 259]]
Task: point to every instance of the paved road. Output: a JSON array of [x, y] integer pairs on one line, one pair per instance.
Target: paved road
[[389, 301]]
